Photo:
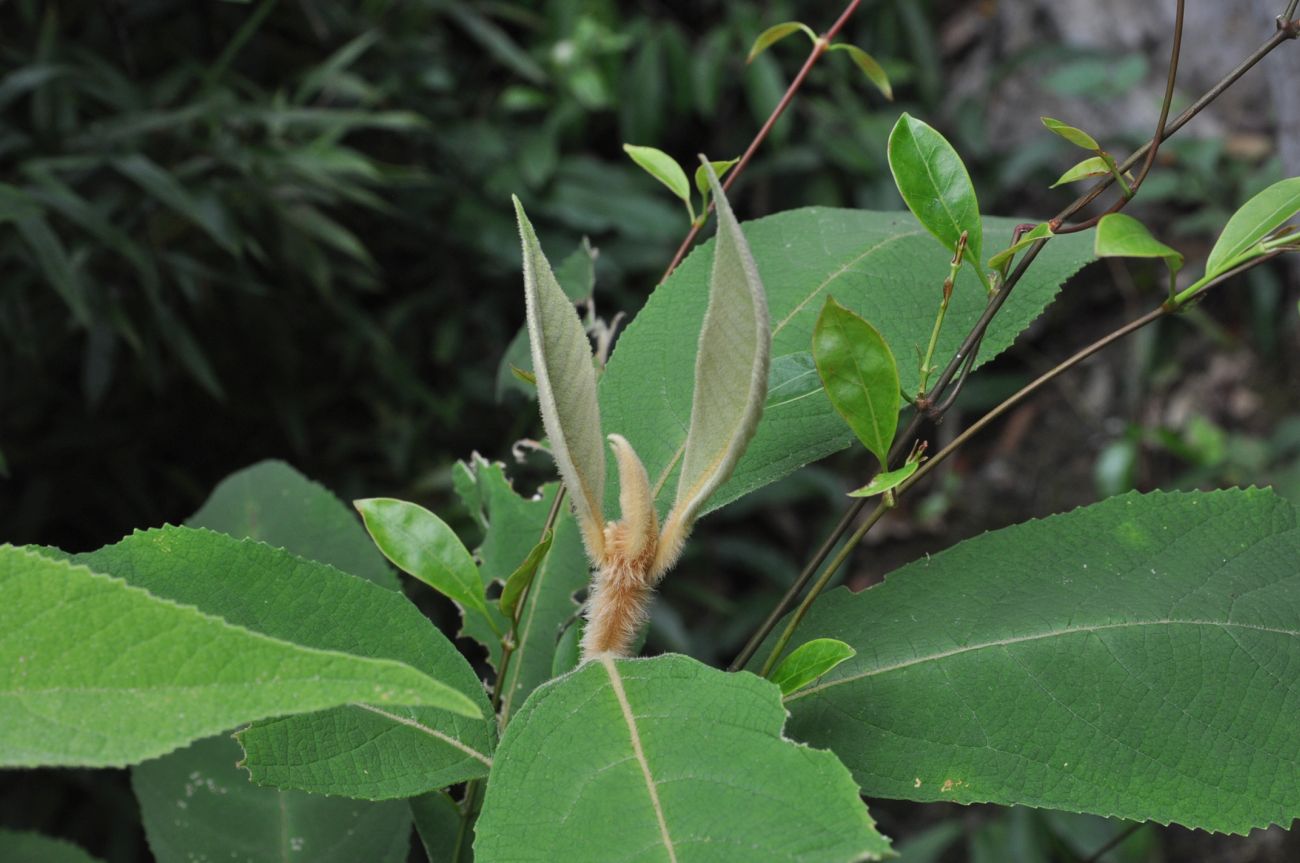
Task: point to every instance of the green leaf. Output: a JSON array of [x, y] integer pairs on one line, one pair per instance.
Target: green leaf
[[112, 674], [423, 546], [666, 759], [1093, 166], [859, 374], [57, 267], [719, 168], [1077, 137], [662, 167], [198, 805], [886, 480], [437, 820], [142, 171], [272, 502], [1001, 259], [880, 265], [873, 70], [1128, 659], [1122, 236], [935, 186], [810, 661], [566, 386], [522, 577], [730, 367], [1256, 219], [18, 847], [776, 33]]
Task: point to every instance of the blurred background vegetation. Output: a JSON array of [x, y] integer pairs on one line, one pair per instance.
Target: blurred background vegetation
[[232, 231]]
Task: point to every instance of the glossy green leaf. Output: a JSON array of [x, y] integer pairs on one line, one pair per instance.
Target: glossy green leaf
[[22, 847], [1093, 166], [566, 386], [666, 759], [1127, 659], [881, 265], [1001, 259], [423, 546], [859, 374], [272, 502], [870, 67], [1256, 219], [111, 674], [662, 167], [731, 367], [372, 751], [886, 480], [719, 168], [809, 661], [522, 577], [776, 33], [1077, 137], [197, 805], [935, 186], [1119, 235]]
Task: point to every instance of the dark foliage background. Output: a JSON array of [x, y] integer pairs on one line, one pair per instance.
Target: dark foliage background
[[281, 229]]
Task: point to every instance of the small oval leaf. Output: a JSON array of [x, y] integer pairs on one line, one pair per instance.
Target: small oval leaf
[[566, 387], [1122, 236], [1256, 219], [662, 167], [1093, 166], [1002, 258], [776, 33], [873, 70], [424, 547], [883, 482], [810, 661], [936, 186], [858, 371], [1074, 135], [719, 168]]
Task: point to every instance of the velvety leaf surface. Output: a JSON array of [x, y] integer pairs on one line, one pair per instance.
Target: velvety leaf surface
[[372, 752], [96, 672], [23, 847], [1137, 658], [883, 266], [197, 805], [666, 759], [272, 502]]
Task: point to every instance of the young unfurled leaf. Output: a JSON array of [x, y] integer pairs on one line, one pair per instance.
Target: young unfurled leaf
[[663, 168], [730, 377], [519, 580], [810, 661], [936, 187], [1122, 236], [666, 759], [1093, 166], [776, 33], [1255, 220], [873, 70], [858, 371], [424, 547], [1075, 136], [883, 482], [1002, 258], [566, 387], [702, 175]]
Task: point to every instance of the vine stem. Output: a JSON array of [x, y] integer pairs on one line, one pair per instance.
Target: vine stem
[[962, 360], [819, 48]]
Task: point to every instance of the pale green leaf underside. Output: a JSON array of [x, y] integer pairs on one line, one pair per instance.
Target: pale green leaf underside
[[666, 759], [23, 847], [94, 672], [883, 266], [1138, 658], [351, 750], [197, 805]]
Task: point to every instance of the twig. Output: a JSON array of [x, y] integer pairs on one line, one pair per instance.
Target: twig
[[819, 48]]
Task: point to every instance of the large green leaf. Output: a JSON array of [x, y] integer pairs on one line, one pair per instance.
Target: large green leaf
[[18, 847], [375, 751], [97, 672], [197, 805], [935, 185], [666, 759], [1136, 658], [883, 266], [272, 502]]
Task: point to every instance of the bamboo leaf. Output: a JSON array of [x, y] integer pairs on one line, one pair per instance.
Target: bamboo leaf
[[860, 376], [1255, 220], [809, 661], [566, 387]]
